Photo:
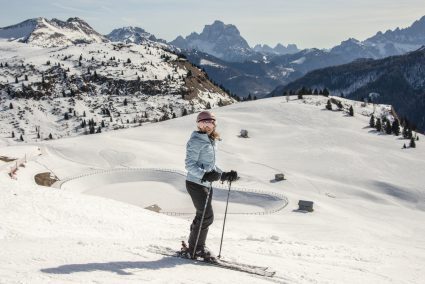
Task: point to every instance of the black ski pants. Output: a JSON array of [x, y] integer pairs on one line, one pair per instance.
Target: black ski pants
[[198, 193]]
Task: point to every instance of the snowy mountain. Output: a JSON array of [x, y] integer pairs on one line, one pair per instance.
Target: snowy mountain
[[367, 224], [85, 88], [398, 80], [52, 33], [132, 35], [220, 40]]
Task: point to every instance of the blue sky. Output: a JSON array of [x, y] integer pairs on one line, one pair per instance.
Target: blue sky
[[308, 23]]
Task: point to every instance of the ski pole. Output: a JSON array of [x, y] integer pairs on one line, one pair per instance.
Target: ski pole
[[202, 220], [224, 222]]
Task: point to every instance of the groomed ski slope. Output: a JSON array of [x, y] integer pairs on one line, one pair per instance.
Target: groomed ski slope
[[367, 226]]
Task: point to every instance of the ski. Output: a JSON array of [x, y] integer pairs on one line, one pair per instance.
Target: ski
[[227, 264]]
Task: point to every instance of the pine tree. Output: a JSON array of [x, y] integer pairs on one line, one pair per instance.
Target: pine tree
[[10, 106], [13, 134], [38, 135], [372, 121], [21, 138], [329, 105], [50, 136], [396, 127], [16, 80], [84, 113], [128, 60], [388, 128], [103, 123], [412, 143], [66, 117], [184, 112], [81, 57], [404, 146], [351, 111], [378, 125], [125, 102], [26, 77], [208, 105], [326, 92]]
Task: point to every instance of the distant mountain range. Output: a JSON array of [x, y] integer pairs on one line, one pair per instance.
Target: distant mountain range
[[396, 80], [49, 33], [257, 74]]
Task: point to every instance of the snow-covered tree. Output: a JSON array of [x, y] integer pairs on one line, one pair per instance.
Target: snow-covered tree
[[372, 121], [388, 128], [395, 128], [378, 125], [412, 143], [329, 105]]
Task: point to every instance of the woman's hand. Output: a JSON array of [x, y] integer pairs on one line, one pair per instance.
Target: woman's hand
[[229, 176], [211, 176]]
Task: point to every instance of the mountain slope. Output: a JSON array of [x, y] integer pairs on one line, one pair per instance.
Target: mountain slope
[[59, 90], [398, 80]]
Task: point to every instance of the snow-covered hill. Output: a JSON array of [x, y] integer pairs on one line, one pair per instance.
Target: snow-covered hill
[[49, 33], [368, 196], [54, 90]]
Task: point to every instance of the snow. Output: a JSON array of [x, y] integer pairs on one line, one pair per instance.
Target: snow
[[368, 199], [300, 60], [210, 63]]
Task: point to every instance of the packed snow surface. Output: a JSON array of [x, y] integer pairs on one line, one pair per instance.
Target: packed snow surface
[[368, 193]]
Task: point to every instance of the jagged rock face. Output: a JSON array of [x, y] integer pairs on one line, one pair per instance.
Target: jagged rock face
[[132, 35], [386, 44], [52, 33], [279, 49], [218, 39]]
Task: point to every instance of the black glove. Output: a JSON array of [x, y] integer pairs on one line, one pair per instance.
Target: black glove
[[229, 176], [211, 176]]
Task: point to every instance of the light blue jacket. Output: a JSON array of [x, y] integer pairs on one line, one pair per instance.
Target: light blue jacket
[[200, 157]]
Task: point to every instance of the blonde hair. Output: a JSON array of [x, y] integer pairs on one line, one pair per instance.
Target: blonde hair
[[214, 134]]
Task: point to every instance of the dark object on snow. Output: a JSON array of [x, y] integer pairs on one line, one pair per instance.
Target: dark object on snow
[[244, 133], [305, 205], [278, 177], [154, 208]]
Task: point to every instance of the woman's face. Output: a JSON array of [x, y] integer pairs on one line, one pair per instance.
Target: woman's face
[[207, 125]]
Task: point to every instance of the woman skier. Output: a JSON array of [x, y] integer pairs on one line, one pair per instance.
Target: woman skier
[[201, 173]]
